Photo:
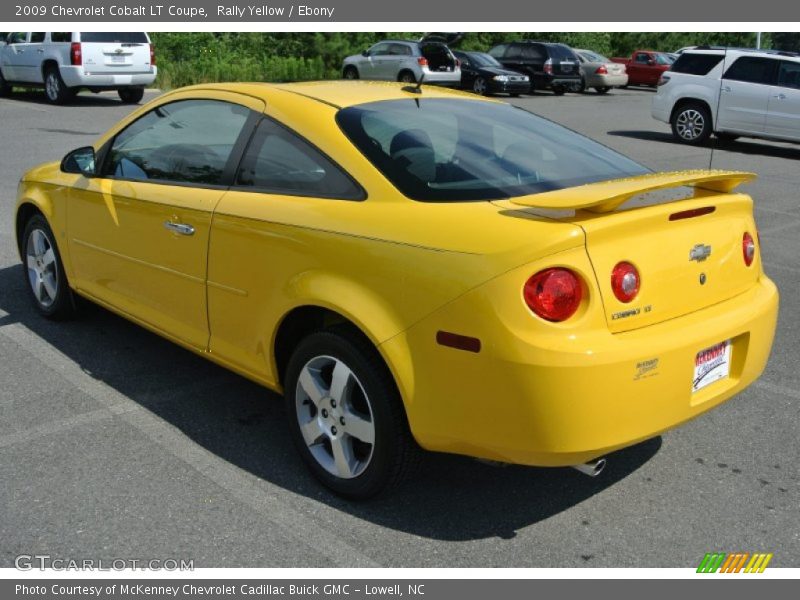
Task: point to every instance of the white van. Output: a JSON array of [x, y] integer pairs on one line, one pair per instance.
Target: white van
[[64, 63]]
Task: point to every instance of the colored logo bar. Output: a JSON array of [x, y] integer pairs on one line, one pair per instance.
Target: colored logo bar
[[738, 562]]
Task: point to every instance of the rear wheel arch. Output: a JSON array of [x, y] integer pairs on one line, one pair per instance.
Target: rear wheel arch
[[47, 65], [683, 102]]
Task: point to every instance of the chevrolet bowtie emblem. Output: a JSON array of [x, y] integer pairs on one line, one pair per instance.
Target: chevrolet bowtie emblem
[[700, 252]]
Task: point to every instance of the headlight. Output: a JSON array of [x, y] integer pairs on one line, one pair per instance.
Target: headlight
[[524, 78], [502, 78]]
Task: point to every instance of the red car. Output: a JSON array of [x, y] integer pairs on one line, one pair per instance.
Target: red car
[[645, 66]]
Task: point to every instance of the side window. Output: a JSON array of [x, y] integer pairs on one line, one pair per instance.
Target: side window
[[498, 51], [281, 162], [753, 70], [61, 37], [17, 37], [789, 75], [188, 141], [380, 50], [37, 38], [531, 52], [514, 51], [696, 64], [642, 58]]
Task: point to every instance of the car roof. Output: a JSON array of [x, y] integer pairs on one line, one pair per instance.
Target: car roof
[[340, 93]]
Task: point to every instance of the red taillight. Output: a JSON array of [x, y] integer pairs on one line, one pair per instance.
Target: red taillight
[[601, 70], [625, 281], [75, 54], [152, 54], [548, 67], [422, 61], [553, 294], [748, 248]]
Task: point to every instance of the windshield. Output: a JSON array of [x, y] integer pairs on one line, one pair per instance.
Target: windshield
[[663, 59], [483, 60], [443, 150]]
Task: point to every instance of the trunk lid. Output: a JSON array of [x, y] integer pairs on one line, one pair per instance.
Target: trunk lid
[[688, 252], [115, 53]]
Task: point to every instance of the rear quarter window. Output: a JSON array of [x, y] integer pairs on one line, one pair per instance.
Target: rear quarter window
[[64, 36], [696, 64]]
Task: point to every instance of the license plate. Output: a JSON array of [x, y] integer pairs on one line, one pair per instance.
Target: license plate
[[117, 59], [712, 364]]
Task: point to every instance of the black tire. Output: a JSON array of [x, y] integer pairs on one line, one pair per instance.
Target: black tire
[[406, 77], [514, 95], [55, 90], [5, 87], [691, 123], [131, 95], [726, 137], [350, 73], [582, 87], [56, 305], [393, 452], [559, 90], [602, 90]]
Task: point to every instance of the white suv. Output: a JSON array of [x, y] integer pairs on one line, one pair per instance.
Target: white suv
[[731, 93], [64, 63]]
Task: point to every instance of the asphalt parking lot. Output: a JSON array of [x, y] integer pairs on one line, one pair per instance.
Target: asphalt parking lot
[[117, 444]]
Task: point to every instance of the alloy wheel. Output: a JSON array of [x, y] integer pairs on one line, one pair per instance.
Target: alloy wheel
[[335, 417], [40, 259], [690, 124], [52, 86], [479, 86]]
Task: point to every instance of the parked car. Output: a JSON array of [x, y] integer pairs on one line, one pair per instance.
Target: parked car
[[379, 255], [481, 73], [406, 61], [644, 67], [599, 72], [733, 92], [549, 66], [64, 63]]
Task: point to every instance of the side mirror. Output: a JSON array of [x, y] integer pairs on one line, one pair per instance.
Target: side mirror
[[80, 162], [651, 61], [365, 53]]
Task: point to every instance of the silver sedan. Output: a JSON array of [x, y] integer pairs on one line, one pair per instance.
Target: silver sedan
[[599, 72]]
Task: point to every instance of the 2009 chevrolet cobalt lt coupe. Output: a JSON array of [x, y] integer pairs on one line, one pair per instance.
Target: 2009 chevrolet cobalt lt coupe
[[410, 267]]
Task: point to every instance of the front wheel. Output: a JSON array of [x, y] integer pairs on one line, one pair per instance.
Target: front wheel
[[55, 89], [480, 87], [44, 272], [131, 95], [691, 123], [346, 415]]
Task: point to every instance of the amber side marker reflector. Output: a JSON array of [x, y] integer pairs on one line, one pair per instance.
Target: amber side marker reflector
[[460, 342], [691, 213]]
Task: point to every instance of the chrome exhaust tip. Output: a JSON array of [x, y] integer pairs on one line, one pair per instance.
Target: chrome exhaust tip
[[592, 468]]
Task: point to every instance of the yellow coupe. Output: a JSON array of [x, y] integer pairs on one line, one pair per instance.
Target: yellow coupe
[[411, 267]]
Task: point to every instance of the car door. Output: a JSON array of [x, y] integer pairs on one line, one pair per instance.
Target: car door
[[286, 194], [637, 69], [383, 62], [31, 57], [744, 94], [783, 112], [468, 71], [14, 54], [138, 232]]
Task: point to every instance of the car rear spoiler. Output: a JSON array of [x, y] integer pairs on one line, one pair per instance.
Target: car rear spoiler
[[606, 196]]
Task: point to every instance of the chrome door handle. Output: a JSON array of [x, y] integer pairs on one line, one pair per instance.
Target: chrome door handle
[[780, 96], [40, 51], [182, 228]]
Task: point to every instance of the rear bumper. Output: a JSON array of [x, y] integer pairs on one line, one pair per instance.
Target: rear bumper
[[447, 78], [77, 77], [660, 109], [568, 399], [606, 80]]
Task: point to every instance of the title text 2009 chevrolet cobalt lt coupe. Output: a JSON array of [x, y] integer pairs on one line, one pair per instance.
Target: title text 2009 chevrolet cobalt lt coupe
[[410, 267]]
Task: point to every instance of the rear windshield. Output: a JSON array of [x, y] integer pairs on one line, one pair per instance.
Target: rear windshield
[[696, 64], [560, 52], [443, 150], [128, 37]]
